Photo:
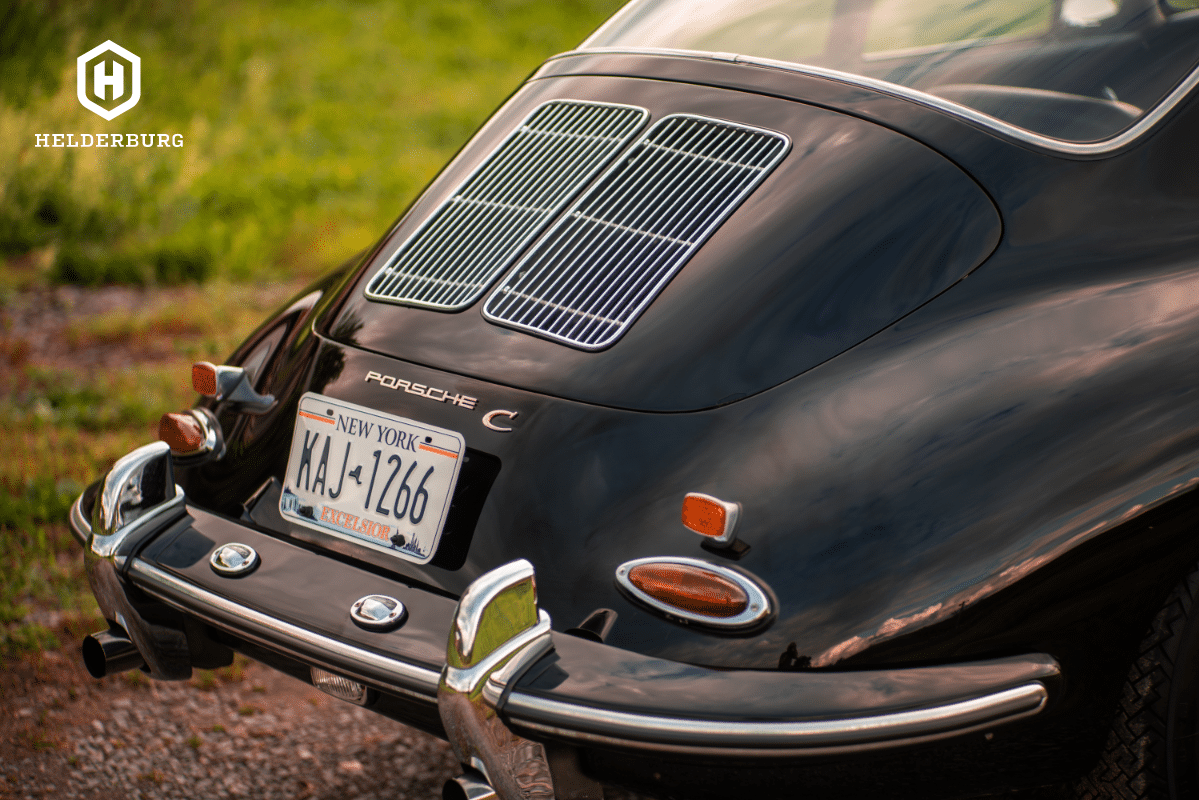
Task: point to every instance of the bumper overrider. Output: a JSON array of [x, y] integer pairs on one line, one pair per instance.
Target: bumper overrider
[[517, 701]]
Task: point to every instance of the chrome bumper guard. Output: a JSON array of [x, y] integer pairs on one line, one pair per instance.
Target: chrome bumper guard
[[499, 636], [137, 499]]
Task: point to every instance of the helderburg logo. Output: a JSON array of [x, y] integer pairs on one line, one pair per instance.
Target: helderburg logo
[[108, 82], [109, 79]]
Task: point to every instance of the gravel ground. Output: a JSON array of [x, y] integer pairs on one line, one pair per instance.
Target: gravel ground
[[242, 732], [260, 734]]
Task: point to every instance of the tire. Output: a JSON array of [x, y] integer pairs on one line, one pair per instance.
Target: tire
[[1151, 749]]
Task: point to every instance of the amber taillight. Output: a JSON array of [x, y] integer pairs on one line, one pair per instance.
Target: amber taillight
[[204, 379], [690, 588], [182, 432]]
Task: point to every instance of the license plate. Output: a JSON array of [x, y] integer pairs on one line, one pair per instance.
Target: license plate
[[373, 478]]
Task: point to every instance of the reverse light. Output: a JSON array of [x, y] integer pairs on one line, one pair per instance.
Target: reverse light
[[710, 517], [691, 590], [341, 688]]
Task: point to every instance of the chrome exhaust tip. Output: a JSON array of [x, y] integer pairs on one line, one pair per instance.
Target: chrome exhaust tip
[[109, 652], [468, 786]]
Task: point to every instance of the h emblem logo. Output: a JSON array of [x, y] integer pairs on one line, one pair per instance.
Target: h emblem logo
[[108, 94], [116, 80]]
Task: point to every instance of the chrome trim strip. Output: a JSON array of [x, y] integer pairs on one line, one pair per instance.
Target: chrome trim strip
[[771, 738], [409, 679], [1102, 147], [589, 724], [79, 524]]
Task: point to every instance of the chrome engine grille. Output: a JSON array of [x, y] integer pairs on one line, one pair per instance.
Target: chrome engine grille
[[608, 257], [490, 218]]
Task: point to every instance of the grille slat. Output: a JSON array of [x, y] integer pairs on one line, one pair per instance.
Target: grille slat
[[482, 227], [671, 169], [588, 251], [606, 259]]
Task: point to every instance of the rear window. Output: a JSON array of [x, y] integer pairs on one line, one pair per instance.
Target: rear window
[[1071, 70]]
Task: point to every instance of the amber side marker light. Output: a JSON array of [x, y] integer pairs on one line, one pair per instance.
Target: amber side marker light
[[710, 517], [692, 590], [204, 379]]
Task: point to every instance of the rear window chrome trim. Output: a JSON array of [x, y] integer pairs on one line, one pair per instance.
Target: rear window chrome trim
[[1078, 149]]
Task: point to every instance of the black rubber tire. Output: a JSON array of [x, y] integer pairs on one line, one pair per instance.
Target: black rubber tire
[[1150, 752]]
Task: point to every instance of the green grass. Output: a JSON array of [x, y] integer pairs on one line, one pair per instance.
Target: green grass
[[307, 127], [67, 424]]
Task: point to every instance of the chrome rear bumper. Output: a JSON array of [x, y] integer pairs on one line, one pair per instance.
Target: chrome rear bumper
[[505, 683]]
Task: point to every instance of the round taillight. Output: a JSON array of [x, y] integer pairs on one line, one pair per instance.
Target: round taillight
[[695, 591]]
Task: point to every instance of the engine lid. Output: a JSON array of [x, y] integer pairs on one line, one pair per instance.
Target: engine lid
[[853, 227]]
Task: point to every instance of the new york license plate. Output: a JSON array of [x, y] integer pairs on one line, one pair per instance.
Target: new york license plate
[[373, 478]]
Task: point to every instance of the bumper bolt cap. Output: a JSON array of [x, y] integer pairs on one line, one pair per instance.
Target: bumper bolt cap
[[234, 559], [378, 612]]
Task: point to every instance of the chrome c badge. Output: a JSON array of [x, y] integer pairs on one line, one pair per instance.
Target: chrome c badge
[[491, 415], [377, 612]]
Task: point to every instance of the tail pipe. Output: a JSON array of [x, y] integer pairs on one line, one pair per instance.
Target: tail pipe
[[109, 652], [470, 786]]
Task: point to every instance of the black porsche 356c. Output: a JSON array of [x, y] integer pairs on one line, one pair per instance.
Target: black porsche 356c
[[776, 398]]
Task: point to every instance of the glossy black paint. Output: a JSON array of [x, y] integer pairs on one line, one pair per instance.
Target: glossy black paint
[[1007, 467], [856, 227]]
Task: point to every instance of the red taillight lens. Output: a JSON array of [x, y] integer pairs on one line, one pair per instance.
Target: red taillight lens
[[204, 379], [182, 432], [691, 589]]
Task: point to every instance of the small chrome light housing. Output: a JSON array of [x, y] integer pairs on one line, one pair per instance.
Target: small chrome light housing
[[234, 559], [378, 612], [341, 688], [693, 591], [230, 385]]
